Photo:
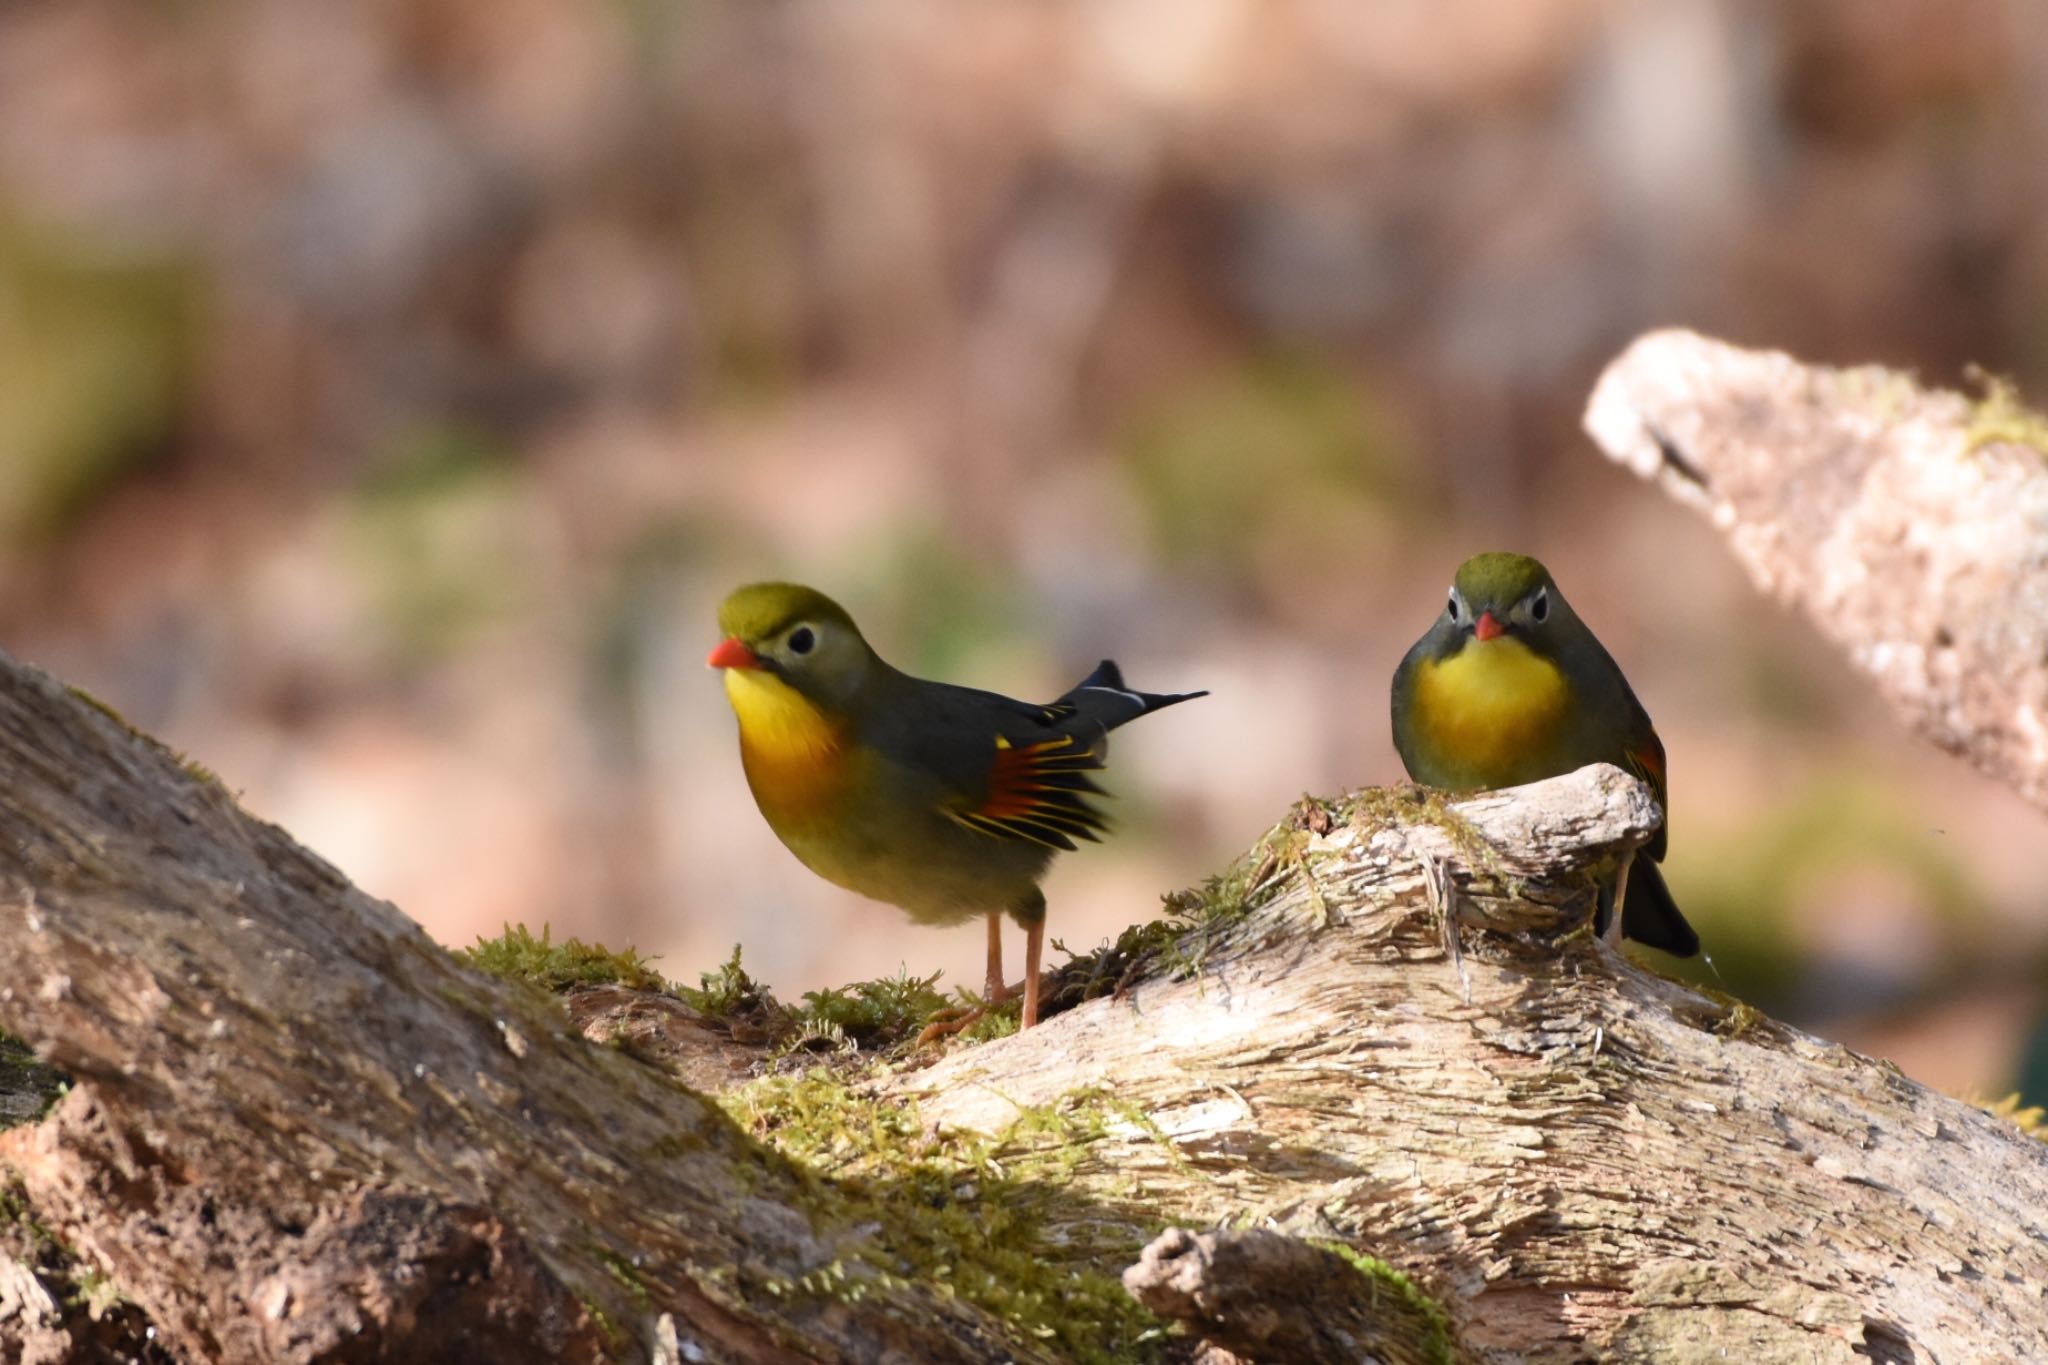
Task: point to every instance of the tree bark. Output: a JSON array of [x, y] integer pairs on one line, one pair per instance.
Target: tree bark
[[1911, 524], [300, 1131]]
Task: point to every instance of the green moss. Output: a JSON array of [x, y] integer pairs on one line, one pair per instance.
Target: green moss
[[1738, 1017], [613, 1333], [1374, 808], [881, 1016], [873, 1015], [1432, 1326], [628, 1275], [29, 1087], [192, 768], [517, 955], [2000, 418], [79, 694], [1197, 919], [725, 990], [991, 1221]]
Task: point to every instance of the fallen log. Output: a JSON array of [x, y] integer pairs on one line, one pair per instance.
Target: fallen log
[[299, 1130]]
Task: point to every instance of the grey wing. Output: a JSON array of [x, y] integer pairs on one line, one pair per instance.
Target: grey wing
[[1002, 768]]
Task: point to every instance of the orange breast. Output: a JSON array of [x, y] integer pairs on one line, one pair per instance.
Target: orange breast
[[794, 754], [791, 785]]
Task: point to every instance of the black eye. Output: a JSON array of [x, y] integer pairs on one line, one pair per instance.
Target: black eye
[[1539, 605], [1454, 605], [802, 639]]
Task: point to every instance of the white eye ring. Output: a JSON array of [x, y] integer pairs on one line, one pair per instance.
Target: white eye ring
[[1454, 604], [1539, 605], [803, 639]]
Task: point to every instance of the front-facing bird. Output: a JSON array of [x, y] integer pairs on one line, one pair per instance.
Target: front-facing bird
[[1509, 686], [946, 801]]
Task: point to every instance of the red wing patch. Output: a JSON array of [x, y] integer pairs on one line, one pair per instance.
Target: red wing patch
[[1039, 792], [1647, 761]]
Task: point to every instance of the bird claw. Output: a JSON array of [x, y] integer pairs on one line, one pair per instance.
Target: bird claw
[[949, 1021]]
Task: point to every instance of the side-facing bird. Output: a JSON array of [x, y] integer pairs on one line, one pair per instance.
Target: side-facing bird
[[945, 801], [1509, 686]]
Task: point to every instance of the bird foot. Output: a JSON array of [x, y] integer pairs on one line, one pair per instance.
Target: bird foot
[[958, 1018], [949, 1021]]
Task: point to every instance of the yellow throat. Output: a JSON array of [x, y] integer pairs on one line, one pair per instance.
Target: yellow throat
[[790, 748], [1492, 709]]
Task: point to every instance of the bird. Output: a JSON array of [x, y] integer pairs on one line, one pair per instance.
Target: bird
[[945, 801], [1509, 686]]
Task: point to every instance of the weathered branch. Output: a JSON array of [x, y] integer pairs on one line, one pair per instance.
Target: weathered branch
[[1577, 1157], [300, 1131], [1911, 524]]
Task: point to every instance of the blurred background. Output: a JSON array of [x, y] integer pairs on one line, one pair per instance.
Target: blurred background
[[390, 390]]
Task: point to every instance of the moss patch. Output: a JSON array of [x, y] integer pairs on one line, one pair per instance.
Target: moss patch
[[1375, 808], [882, 1016], [1739, 1017], [29, 1087], [1197, 919], [517, 955], [726, 991], [873, 1015], [990, 1221], [628, 1275], [192, 768], [1430, 1324]]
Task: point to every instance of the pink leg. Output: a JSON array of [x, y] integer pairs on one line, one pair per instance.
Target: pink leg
[[1034, 937], [1613, 934], [993, 989]]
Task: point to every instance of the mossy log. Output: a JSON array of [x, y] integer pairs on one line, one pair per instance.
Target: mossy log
[[1910, 523], [1378, 1075]]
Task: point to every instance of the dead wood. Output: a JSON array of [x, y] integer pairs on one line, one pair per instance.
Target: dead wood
[[1910, 524], [300, 1131]]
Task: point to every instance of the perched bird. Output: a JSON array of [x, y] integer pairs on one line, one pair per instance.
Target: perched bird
[[946, 801], [1509, 686]]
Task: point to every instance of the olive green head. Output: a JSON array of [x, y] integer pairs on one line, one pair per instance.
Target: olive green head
[[761, 611], [1500, 579], [1498, 594], [797, 634]]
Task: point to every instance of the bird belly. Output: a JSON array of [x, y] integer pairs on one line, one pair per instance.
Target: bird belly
[[1490, 715], [911, 857], [865, 824]]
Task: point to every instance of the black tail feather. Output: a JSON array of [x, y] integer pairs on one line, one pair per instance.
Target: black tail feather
[[1649, 915], [1109, 678]]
